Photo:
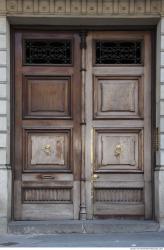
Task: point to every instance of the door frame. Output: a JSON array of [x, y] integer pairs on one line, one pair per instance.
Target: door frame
[[22, 28]]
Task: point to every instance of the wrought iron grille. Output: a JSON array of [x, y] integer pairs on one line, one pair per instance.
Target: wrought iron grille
[[118, 52], [48, 52]]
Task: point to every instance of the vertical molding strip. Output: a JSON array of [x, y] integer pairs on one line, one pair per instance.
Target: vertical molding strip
[[116, 7], [83, 47], [162, 5], [3, 6], [68, 6], [148, 6], [132, 7], [36, 6], [100, 7], [19, 5], [52, 9], [84, 7], [52, 6]]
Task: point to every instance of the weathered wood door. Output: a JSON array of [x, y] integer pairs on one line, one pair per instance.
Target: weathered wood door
[[118, 124], [47, 153], [113, 107]]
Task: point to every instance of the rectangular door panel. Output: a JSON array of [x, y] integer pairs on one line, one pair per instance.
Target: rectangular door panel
[[44, 200], [47, 96], [118, 150], [118, 97], [117, 195], [47, 150]]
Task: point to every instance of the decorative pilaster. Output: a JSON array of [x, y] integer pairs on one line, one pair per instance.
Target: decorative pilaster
[[5, 170], [159, 170]]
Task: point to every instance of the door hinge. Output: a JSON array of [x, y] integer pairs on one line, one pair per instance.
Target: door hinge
[[156, 140]]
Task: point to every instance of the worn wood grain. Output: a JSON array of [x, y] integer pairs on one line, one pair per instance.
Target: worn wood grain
[[118, 131], [47, 133]]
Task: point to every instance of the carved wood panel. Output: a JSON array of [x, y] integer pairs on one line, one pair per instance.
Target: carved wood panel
[[47, 195], [47, 150], [118, 149], [118, 97], [47, 96], [119, 195], [113, 97]]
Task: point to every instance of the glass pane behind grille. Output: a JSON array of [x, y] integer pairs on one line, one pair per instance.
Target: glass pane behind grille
[[116, 52], [48, 52]]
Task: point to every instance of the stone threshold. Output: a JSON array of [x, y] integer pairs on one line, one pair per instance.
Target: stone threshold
[[82, 226]]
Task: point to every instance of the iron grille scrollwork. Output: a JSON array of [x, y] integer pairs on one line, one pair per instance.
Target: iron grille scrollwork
[[118, 52], [48, 52]]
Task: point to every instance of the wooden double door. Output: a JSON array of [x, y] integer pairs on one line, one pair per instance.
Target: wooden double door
[[82, 125]]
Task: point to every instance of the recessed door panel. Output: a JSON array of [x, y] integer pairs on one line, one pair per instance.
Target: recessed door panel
[[118, 97], [47, 97], [118, 149], [48, 150]]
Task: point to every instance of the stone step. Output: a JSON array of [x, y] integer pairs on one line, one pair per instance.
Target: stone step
[[82, 226]]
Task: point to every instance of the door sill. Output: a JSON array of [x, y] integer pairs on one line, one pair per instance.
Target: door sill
[[82, 226]]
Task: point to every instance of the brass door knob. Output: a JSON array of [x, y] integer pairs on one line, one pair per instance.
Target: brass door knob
[[118, 150], [95, 177], [47, 149]]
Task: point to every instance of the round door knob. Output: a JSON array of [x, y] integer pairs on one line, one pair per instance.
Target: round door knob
[[95, 176]]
